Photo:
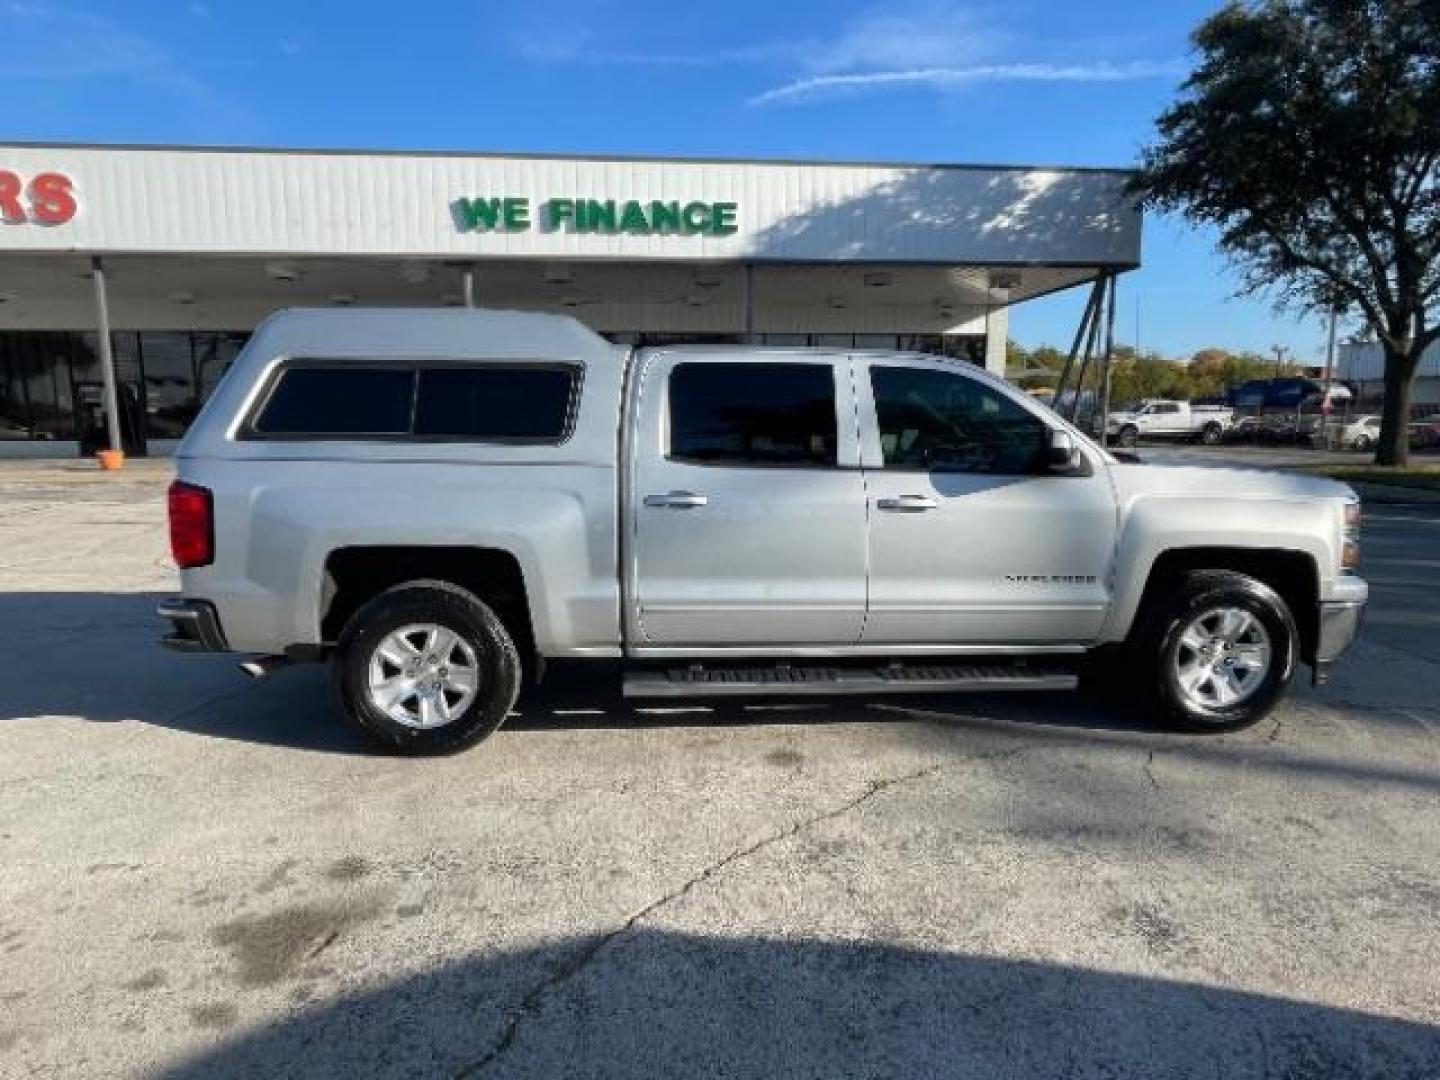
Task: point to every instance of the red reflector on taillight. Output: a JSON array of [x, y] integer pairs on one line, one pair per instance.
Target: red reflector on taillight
[[192, 525]]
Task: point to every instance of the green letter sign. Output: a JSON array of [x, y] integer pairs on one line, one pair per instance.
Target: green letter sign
[[607, 217]]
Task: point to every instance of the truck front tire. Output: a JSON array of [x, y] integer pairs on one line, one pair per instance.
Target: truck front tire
[[426, 667], [1220, 650]]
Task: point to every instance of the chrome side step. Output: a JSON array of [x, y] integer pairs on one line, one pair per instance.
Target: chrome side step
[[699, 680]]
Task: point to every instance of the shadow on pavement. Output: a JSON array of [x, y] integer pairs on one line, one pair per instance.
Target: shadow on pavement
[[646, 1003], [97, 656]]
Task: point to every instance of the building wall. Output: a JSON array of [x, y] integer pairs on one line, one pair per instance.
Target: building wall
[[190, 239], [316, 203], [1365, 362], [1364, 365]]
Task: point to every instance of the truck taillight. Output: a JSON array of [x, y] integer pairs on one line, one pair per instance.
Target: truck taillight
[[192, 525]]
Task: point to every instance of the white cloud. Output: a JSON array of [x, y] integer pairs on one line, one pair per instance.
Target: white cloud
[[940, 44], [931, 35], [57, 43], [945, 78]]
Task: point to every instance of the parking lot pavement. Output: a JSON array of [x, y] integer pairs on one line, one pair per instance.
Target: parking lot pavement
[[205, 876]]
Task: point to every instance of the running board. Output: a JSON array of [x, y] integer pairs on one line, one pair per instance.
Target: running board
[[698, 680]]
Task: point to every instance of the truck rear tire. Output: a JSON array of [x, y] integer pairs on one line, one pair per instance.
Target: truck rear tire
[[1220, 650], [1211, 434], [1129, 436], [426, 667]]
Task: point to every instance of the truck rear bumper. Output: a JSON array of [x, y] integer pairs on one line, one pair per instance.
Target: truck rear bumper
[[195, 626], [1339, 623]]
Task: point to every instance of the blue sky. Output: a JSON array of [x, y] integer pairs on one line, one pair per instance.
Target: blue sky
[[1023, 81]]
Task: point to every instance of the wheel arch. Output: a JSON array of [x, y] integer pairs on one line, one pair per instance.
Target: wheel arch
[[1293, 574], [355, 574]]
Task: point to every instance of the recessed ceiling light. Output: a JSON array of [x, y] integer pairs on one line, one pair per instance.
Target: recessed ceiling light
[[558, 275], [342, 299], [279, 271], [8, 297], [695, 301], [878, 279], [836, 302], [183, 297]]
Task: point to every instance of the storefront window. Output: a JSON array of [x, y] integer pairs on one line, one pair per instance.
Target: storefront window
[[171, 399], [36, 396], [48, 378], [214, 352]]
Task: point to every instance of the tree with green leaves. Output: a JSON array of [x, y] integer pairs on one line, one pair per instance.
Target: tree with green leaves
[[1309, 135]]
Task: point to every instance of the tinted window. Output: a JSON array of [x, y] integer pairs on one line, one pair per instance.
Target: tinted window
[[753, 414], [933, 419], [338, 401], [495, 403]]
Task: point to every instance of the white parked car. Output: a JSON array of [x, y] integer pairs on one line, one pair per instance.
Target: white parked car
[[1158, 419], [1362, 433]]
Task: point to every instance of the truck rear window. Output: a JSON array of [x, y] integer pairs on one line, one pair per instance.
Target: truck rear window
[[431, 402], [338, 401], [753, 414], [495, 403]]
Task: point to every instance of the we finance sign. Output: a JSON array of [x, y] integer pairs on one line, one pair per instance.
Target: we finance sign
[[606, 217]]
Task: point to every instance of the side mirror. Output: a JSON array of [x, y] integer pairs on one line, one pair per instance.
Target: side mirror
[[1060, 451]]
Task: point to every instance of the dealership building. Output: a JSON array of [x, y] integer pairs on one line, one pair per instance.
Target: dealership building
[[1362, 364], [181, 251]]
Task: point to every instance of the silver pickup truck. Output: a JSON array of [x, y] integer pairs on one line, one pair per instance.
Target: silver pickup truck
[[438, 502]]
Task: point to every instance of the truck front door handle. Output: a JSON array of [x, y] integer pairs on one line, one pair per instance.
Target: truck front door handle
[[677, 500], [907, 504]]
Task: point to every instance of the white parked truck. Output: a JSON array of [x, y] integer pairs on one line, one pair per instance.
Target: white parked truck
[[1162, 419], [438, 502]]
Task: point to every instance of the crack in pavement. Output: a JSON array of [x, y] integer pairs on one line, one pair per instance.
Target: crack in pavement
[[531, 1003], [1150, 770]]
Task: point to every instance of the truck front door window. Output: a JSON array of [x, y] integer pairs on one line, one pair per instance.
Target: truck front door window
[[932, 419]]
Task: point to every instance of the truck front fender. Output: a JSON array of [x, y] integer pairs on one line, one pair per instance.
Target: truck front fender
[[1155, 525]]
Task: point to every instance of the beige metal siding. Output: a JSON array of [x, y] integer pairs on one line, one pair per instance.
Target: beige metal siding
[[134, 200]]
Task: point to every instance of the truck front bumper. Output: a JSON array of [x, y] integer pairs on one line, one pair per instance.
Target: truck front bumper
[[1339, 623], [195, 626]]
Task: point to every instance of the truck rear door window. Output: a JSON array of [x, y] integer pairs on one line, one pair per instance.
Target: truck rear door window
[[753, 414], [338, 400], [529, 404]]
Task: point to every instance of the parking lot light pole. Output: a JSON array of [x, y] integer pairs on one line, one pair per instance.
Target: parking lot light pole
[[107, 356]]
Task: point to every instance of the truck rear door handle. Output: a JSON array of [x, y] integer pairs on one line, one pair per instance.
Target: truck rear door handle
[[907, 504], [677, 500]]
